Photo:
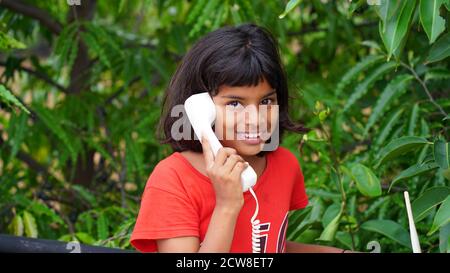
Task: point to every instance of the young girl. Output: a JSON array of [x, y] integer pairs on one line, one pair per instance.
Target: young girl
[[193, 200]]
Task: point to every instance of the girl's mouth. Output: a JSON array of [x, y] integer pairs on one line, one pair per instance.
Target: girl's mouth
[[249, 138]]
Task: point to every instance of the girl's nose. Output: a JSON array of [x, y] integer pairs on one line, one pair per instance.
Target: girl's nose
[[251, 117]]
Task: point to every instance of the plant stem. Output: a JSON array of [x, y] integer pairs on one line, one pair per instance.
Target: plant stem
[[425, 88], [335, 159]]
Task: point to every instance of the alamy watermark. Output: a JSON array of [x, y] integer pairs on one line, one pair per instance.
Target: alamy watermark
[[74, 2], [374, 2], [261, 121], [374, 247]]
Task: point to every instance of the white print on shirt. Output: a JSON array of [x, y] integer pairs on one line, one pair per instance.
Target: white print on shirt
[[281, 240], [282, 235], [264, 227]]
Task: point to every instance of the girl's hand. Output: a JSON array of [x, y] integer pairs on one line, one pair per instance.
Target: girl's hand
[[225, 173]]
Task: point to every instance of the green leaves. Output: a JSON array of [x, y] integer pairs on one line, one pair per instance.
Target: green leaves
[[437, 74], [392, 121], [395, 23], [134, 157], [362, 65], [389, 229], [66, 47], [16, 226], [298, 223], [444, 239], [24, 223], [330, 213], [54, 125], [95, 47], [208, 15], [247, 10], [400, 146], [413, 119], [7, 42], [442, 216], [112, 53], [442, 153], [366, 181], [30, 225], [206, 10], [85, 238], [195, 11], [85, 194], [432, 23], [321, 111], [413, 171], [394, 89], [431, 198], [386, 10], [99, 42], [440, 50], [39, 209], [442, 156], [362, 88], [330, 230], [102, 226], [17, 132], [289, 6], [7, 97]]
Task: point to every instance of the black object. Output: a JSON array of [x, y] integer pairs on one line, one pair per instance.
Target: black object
[[16, 244]]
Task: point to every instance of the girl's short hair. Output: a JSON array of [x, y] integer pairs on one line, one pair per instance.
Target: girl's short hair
[[233, 56]]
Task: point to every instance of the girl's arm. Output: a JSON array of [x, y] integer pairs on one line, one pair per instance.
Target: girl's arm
[[218, 237], [294, 247], [220, 232], [224, 170]]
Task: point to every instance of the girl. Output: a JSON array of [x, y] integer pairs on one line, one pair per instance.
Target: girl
[[193, 200]]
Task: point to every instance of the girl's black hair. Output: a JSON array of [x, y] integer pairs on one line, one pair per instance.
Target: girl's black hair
[[232, 56]]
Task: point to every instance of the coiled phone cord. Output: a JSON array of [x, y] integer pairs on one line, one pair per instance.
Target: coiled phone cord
[[256, 237]]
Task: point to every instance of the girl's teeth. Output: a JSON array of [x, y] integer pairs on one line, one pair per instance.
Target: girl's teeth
[[249, 135]]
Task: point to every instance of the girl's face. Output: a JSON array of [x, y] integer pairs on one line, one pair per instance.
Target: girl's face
[[246, 116]]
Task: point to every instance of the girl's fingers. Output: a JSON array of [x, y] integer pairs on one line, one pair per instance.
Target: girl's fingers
[[231, 162], [207, 152], [238, 169], [222, 156]]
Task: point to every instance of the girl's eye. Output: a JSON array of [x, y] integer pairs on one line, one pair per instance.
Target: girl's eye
[[233, 103], [267, 101]]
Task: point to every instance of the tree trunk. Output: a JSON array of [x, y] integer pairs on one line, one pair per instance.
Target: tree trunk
[[79, 82]]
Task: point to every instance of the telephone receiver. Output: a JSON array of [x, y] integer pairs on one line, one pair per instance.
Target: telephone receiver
[[201, 112]]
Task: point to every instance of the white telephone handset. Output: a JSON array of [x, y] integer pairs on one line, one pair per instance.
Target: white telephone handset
[[201, 112]]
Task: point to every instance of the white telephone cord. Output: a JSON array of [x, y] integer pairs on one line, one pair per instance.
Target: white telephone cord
[[256, 237]]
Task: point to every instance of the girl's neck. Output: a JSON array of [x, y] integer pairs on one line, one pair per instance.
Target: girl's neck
[[257, 163], [252, 159]]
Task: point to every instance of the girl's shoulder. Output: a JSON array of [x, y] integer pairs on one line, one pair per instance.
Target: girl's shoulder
[[174, 161], [282, 154], [166, 172], [169, 163], [177, 169]]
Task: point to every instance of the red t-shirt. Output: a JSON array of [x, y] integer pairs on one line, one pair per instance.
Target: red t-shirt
[[178, 200]]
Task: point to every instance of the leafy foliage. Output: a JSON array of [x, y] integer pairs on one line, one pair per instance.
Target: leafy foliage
[[80, 101]]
